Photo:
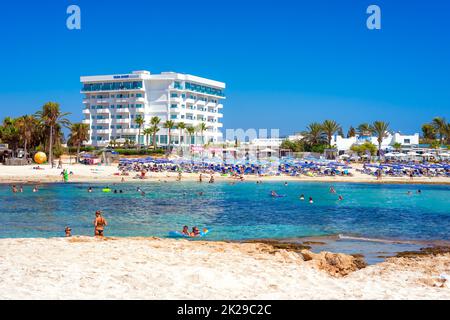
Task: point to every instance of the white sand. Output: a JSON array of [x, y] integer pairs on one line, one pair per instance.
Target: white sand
[[137, 268], [83, 173]]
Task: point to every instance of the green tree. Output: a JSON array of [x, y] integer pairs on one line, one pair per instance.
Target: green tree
[[330, 127], [79, 132], [351, 132], [364, 129], [52, 117], [381, 131], [191, 133], [314, 134], [397, 146], [202, 128], [182, 127], [154, 122], [26, 126], [428, 132], [147, 132], [139, 120], [169, 125], [363, 148]]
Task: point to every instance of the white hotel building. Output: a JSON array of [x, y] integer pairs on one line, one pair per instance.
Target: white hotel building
[[112, 103]]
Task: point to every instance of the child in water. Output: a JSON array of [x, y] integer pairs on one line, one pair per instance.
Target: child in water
[[311, 200], [185, 231], [302, 197]]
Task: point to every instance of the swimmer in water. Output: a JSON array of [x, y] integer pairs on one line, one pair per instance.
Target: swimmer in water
[[302, 197], [14, 189], [419, 191], [35, 189], [332, 190], [285, 184], [21, 189], [311, 200], [68, 231], [273, 194], [90, 189], [340, 198], [185, 231], [408, 193]]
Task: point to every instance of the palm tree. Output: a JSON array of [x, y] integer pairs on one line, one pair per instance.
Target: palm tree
[[52, 117], [397, 146], [26, 126], [10, 133], [313, 134], [181, 126], [139, 120], [429, 132], [202, 128], [79, 132], [330, 127], [154, 122], [364, 129], [191, 132], [440, 125], [147, 132], [381, 130], [351, 132], [169, 125]]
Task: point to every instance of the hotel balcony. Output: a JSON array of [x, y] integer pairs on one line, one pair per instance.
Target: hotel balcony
[[86, 121], [102, 101], [176, 100], [122, 120], [211, 105], [122, 100], [86, 111], [142, 100], [127, 131], [104, 110], [201, 103], [189, 100], [140, 109], [123, 110], [219, 105], [86, 101], [102, 121], [103, 131]]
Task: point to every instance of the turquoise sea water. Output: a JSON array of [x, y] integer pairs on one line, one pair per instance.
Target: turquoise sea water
[[234, 212]]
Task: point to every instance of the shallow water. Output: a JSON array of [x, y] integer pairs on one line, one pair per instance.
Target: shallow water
[[234, 212]]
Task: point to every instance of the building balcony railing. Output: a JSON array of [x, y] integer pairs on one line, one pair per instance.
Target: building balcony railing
[[86, 121], [122, 120], [103, 110], [123, 110], [86, 111], [103, 131], [102, 121]]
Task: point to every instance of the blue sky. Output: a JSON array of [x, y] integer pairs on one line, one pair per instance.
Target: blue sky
[[286, 63]]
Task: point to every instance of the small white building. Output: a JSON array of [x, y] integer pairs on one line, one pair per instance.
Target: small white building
[[407, 141]]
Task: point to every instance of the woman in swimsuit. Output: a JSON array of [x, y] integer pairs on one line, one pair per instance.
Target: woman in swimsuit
[[99, 224]]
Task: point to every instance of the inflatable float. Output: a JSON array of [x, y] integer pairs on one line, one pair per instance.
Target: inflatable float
[[178, 234]]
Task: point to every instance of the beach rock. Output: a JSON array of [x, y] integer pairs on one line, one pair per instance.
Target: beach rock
[[335, 264], [436, 250]]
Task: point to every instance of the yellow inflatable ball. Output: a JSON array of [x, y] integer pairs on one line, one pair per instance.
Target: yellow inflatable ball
[[40, 158]]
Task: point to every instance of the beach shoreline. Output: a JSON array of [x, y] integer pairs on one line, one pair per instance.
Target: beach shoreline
[[106, 174], [155, 268]]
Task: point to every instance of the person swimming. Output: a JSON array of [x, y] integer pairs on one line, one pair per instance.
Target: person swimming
[[185, 231], [419, 191], [195, 232], [14, 189], [332, 190], [302, 197], [285, 184], [274, 194], [68, 231], [311, 200], [35, 189], [340, 198], [90, 189]]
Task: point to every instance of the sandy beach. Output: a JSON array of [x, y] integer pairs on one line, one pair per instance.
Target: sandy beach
[[93, 174], [151, 268]]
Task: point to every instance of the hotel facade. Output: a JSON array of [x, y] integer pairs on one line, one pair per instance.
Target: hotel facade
[[112, 103]]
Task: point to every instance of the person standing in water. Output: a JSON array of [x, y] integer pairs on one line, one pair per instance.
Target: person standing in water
[[311, 200], [99, 224]]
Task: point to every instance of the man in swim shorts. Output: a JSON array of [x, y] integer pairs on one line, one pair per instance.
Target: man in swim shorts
[[99, 224]]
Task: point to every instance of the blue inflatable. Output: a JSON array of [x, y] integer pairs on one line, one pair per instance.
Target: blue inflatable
[[178, 234]]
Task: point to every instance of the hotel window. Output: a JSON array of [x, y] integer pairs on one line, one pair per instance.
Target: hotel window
[[407, 141], [173, 106], [139, 106], [138, 95], [174, 95]]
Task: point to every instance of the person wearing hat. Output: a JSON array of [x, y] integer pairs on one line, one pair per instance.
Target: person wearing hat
[[99, 224], [68, 231]]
